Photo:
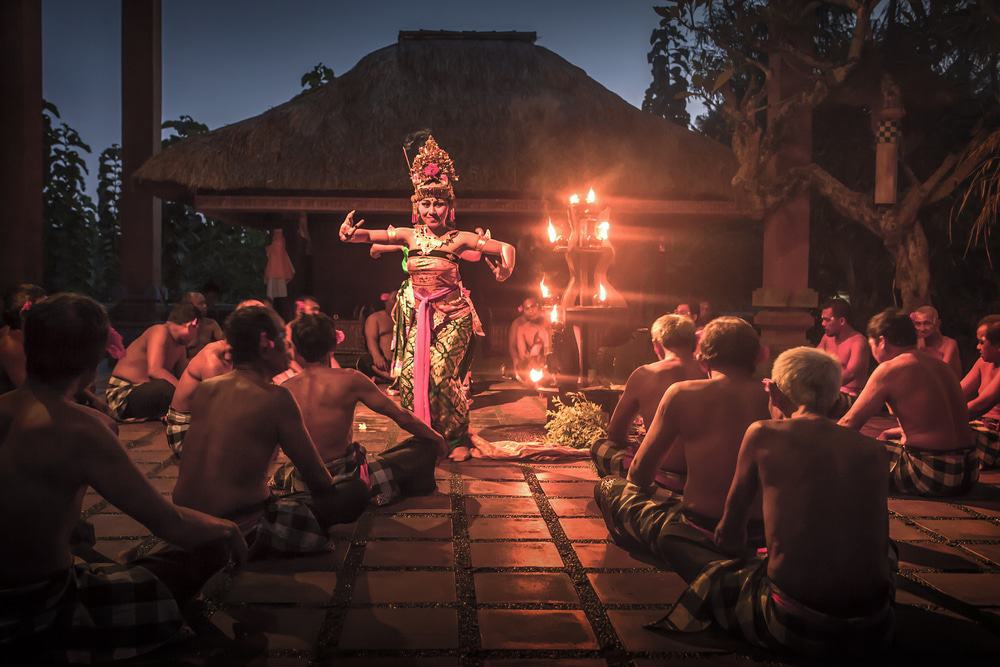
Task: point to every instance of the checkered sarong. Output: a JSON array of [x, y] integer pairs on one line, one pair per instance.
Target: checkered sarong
[[987, 435], [613, 458], [178, 424], [117, 395], [930, 473], [739, 597], [88, 614], [288, 526], [357, 462]]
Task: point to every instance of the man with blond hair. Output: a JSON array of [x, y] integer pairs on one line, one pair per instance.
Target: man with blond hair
[[930, 339], [673, 343], [825, 510]]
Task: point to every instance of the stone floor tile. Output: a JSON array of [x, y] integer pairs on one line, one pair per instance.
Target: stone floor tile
[[545, 662], [511, 472], [637, 587], [168, 471], [142, 455], [479, 488], [113, 549], [535, 587], [302, 588], [568, 489], [515, 554], [443, 486], [585, 529], [926, 508], [165, 485], [534, 629], [395, 587], [396, 553], [636, 638], [400, 629], [521, 528], [988, 551], [435, 502], [606, 555], [567, 475], [427, 527], [985, 507], [574, 506], [344, 531], [981, 589], [989, 477], [325, 561], [117, 525], [901, 531], [483, 505], [933, 555], [372, 661], [283, 628], [963, 529]]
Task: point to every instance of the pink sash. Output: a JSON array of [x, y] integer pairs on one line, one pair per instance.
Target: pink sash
[[422, 352]]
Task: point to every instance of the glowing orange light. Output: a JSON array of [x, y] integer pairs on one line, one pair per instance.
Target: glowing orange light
[[554, 314], [602, 294], [536, 374], [574, 199], [552, 232], [591, 196], [544, 289], [603, 228]]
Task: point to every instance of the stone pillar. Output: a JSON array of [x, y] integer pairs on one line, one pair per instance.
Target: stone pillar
[[140, 212], [21, 163], [784, 297]]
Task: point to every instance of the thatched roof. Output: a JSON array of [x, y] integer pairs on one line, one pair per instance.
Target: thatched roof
[[518, 120]]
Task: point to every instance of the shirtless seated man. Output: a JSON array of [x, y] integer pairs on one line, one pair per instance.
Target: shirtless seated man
[[51, 450], [844, 342], [143, 381], [208, 330], [673, 342], [238, 421], [933, 449], [328, 396], [981, 387], [930, 339], [378, 330], [304, 305], [211, 360], [698, 426], [826, 584], [528, 340]]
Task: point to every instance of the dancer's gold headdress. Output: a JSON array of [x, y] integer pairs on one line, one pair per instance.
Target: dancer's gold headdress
[[432, 173]]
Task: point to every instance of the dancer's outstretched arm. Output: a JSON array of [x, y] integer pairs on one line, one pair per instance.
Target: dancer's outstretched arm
[[351, 232]]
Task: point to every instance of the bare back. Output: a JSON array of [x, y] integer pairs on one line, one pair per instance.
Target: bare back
[[852, 352], [982, 381], [836, 524], [380, 325], [658, 377], [327, 398], [134, 366], [211, 361]]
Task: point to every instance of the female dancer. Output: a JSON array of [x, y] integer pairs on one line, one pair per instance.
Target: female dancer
[[435, 311]]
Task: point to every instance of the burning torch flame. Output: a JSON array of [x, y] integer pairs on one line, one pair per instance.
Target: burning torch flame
[[536, 374], [602, 294], [603, 228], [554, 314], [552, 232], [591, 196], [574, 199], [544, 289]]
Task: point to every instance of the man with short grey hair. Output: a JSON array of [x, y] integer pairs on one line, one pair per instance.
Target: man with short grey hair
[[927, 322]]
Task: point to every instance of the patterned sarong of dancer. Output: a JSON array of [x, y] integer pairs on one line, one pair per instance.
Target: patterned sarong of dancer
[[436, 311]]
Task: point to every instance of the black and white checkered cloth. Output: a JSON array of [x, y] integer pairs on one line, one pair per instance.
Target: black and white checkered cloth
[[178, 424], [987, 435], [930, 473], [356, 463], [289, 526], [888, 132], [117, 395], [87, 614], [610, 457]]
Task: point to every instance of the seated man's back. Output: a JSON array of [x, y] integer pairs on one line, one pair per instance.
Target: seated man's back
[[327, 398]]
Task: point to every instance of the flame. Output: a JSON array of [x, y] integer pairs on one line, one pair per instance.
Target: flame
[[536, 374], [546, 293], [552, 232], [602, 294], [591, 196], [574, 198], [554, 314], [603, 228]]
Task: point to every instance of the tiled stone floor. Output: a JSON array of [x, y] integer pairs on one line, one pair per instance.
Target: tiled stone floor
[[509, 565]]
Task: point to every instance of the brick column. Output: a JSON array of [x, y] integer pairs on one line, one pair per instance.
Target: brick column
[[22, 256], [141, 119]]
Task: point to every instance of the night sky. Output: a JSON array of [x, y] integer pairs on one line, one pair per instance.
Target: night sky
[[226, 60]]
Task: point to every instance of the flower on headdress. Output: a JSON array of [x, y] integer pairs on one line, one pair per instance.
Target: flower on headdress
[[432, 170]]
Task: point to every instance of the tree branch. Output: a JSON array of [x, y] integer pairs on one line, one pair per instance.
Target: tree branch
[[964, 163], [852, 205]]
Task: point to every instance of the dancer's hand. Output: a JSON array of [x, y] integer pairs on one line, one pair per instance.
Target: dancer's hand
[[349, 227], [500, 272]]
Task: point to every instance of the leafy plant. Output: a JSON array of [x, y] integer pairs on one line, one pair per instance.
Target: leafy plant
[[579, 423]]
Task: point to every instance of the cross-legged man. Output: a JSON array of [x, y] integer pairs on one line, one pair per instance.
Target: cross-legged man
[[933, 449], [844, 342], [981, 387], [825, 585], [51, 449], [208, 330], [238, 421], [143, 381], [930, 339], [528, 340], [328, 397], [699, 424], [378, 330], [673, 342]]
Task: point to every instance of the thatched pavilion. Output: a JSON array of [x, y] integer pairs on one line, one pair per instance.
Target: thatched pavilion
[[525, 128]]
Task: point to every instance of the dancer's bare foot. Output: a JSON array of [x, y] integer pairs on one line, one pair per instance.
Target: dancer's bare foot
[[460, 454]]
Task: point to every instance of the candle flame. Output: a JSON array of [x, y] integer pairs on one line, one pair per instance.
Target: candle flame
[[602, 294], [554, 314], [544, 289], [536, 374], [574, 198], [552, 232], [591, 196], [603, 228]]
